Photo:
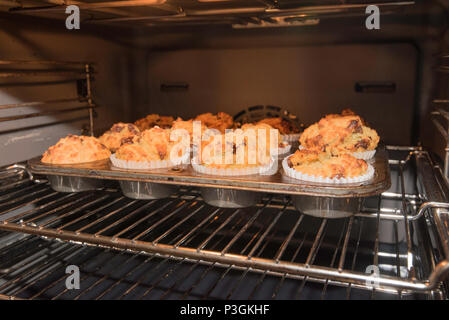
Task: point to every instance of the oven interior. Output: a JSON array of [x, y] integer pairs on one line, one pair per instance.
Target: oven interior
[[183, 58]]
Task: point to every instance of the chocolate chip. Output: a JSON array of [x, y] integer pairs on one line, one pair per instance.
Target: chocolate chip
[[132, 128], [364, 143], [356, 125], [127, 140], [289, 163], [116, 128]]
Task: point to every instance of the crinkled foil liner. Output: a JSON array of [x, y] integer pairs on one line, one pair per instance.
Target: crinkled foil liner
[[305, 177], [148, 165], [364, 155], [294, 137], [263, 170]]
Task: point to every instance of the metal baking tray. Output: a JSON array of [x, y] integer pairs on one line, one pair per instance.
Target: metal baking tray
[[185, 175]]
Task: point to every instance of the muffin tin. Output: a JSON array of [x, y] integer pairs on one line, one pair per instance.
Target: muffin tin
[[223, 191]]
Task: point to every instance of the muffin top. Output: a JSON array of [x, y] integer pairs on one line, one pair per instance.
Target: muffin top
[[152, 120], [149, 145], [188, 126], [120, 133], [270, 136], [76, 149], [338, 134], [324, 165], [221, 121], [226, 152], [284, 126]]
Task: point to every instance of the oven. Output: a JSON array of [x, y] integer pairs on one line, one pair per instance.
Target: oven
[[122, 60]]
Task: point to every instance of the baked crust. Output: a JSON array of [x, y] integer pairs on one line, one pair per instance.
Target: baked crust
[[284, 126], [339, 134], [149, 145], [76, 149], [234, 153], [188, 126], [221, 121], [327, 166], [153, 120], [270, 141], [119, 134]]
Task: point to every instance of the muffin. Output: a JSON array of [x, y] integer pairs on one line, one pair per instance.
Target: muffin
[[221, 121], [150, 145], [228, 152], [188, 126], [272, 137], [284, 126], [76, 149], [338, 134], [152, 120], [324, 165], [119, 134]]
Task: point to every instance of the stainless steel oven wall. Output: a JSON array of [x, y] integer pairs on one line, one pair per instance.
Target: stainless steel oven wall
[[116, 68], [307, 80]]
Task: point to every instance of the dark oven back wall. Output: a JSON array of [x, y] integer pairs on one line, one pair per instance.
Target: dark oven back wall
[[375, 80]]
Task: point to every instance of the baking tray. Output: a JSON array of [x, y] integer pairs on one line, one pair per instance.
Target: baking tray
[[185, 175]]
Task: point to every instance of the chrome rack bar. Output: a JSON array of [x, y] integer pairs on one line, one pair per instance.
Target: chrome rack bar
[[69, 70]]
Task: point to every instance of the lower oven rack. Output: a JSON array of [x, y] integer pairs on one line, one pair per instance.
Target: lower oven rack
[[272, 239]]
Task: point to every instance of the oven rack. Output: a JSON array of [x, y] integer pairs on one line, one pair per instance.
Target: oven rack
[[270, 238], [37, 271], [49, 73]]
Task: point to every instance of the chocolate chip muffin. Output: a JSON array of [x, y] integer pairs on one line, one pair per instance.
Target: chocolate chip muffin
[[76, 149], [324, 165], [221, 121], [119, 134], [338, 134], [153, 120]]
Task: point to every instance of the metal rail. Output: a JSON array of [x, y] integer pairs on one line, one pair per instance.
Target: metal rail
[[195, 12], [271, 239], [68, 70]]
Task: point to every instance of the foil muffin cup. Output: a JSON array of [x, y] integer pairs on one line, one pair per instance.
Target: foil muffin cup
[[73, 184], [229, 198], [327, 207], [149, 165], [306, 177], [146, 190]]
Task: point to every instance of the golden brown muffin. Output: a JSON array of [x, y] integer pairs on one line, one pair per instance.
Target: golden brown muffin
[[152, 120], [188, 126], [149, 145], [347, 112], [284, 126], [76, 149], [339, 134], [269, 143], [324, 165], [120, 133], [217, 152], [221, 121]]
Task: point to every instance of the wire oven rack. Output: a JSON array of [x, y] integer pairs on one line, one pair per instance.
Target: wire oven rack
[[395, 233], [54, 73]]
